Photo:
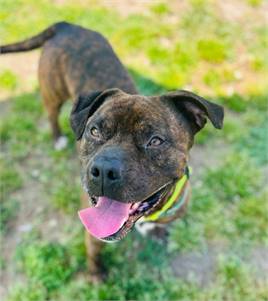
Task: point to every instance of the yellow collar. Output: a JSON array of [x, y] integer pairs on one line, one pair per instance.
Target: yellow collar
[[175, 202]]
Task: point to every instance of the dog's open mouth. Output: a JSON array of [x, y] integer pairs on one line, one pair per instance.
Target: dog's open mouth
[[110, 220]]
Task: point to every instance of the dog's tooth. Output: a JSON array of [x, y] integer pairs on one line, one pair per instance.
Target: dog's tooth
[[132, 211], [135, 206], [143, 206]]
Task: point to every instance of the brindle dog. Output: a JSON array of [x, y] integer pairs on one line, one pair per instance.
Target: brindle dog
[[132, 148]]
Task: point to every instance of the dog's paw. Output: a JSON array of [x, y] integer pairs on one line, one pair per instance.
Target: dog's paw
[[61, 143]]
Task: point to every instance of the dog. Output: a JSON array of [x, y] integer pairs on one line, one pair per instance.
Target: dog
[[133, 149]]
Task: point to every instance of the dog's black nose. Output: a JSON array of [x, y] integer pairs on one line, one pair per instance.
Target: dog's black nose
[[106, 173]]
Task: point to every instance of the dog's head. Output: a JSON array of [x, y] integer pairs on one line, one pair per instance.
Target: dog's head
[[133, 149]]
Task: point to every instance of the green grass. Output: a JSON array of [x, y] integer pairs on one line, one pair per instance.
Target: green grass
[[11, 180], [251, 218], [160, 9], [224, 199], [22, 124], [31, 292], [65, 194], [255, 2], [8, 80], [163, 49], [237, 175], [8, 211], [255, 143], [46, 264], [235, 281], [212, 50]]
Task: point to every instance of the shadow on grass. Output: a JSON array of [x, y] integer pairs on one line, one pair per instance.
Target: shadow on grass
[[145, 85]]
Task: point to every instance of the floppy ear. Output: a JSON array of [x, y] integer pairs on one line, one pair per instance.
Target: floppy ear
[[196, 109], [85, 106]]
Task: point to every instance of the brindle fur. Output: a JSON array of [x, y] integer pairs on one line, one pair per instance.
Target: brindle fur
[[76, 61]]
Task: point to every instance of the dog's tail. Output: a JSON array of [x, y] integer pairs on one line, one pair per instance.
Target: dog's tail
[[33, 42]]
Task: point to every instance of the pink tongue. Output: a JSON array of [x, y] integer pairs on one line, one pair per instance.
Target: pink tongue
[[106, 218]]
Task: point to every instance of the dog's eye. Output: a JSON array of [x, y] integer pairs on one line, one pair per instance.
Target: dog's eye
[[95, 132], [155, 141]]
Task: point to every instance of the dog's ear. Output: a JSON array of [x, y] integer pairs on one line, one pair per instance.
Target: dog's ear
[[195, 109], [85, 106]]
